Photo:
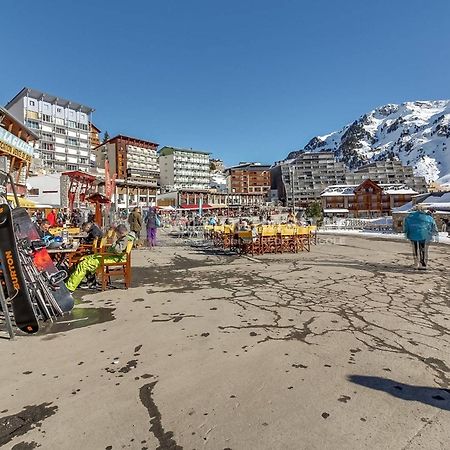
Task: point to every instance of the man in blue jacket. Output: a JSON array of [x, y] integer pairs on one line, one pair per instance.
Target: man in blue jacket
[[420, 228]]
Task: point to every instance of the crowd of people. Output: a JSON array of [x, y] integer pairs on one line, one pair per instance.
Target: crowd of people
[[419, 227]]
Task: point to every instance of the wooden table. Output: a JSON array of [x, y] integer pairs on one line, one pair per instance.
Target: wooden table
[[78, 236], [59, 255]]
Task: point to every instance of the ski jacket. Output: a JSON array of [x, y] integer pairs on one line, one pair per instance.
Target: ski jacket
[[135, 221], [420, 226], [93, 233], [120, 245], [51, 217], [152, 220]]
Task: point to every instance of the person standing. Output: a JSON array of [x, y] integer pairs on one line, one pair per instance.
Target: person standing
[[135, 221], [420, 228], [153, 221], [51, 217]]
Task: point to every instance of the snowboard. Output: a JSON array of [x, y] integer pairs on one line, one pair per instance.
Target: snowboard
[[16, 286], [25, 229]]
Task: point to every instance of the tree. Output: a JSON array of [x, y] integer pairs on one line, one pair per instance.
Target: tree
[[105, 136], [314, 211]]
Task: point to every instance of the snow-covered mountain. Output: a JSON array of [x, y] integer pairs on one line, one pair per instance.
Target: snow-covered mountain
[[417, 133]]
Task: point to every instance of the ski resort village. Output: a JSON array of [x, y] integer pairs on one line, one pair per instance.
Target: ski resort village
[[225, 229]]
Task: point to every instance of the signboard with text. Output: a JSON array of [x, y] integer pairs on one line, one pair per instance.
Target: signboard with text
[[13, 145]]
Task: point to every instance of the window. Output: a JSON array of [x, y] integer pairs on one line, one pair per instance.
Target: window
[[47, 136], [71, 124], [47, 146], [60, 130], [32, 124], [59, 121], [58, 109], [32, 103], [72, 141], [72, 167], [46, 118], [83, 160]]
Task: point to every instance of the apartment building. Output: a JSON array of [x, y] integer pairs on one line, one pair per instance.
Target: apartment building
[[217, 165], [305, 177], [94, 134], [249, 178], [184, 169], [62, 126], [135, 163], [129, 158], [388, 172]]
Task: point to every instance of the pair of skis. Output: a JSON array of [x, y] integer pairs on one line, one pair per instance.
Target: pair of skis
[[34, 286]]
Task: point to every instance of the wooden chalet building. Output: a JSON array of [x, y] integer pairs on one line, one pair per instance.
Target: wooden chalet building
[[367, 200]]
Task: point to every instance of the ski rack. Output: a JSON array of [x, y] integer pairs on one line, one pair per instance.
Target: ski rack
[[4, 302], [6, 314]]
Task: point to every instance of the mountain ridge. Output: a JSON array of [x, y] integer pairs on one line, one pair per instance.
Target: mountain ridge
[[417, 133]]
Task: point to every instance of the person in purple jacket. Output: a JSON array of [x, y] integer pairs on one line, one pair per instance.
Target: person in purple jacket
[[420, 228]]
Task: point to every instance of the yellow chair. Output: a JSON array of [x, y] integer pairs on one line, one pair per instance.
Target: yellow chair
[[287, 239], [269, 238], [303, 238], [247, 243], [122, 268]]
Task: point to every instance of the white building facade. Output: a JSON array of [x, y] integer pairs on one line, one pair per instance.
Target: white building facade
[[184, 169], [62, 126]]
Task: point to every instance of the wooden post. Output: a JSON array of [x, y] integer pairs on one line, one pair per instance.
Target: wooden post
[[98, 214]]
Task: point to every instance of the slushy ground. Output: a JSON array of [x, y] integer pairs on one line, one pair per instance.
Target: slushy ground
[[346, 347]]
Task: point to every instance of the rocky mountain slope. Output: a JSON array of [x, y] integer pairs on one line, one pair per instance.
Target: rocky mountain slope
[[417, 133]]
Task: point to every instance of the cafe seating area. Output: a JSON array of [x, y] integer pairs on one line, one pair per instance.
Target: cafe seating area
[[69, 255], [262, 239]]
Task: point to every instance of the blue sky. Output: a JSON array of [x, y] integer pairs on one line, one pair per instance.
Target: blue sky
[[244, 79]]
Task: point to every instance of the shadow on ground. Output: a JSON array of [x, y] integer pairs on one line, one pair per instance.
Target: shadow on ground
[[439, 398]]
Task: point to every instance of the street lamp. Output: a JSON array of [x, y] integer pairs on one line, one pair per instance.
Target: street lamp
[[292, 175]]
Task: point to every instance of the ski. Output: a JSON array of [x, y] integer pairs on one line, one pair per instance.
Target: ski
[[16, 285], [53, 279]]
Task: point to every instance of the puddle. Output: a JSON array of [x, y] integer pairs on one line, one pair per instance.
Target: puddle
[[79, 317]]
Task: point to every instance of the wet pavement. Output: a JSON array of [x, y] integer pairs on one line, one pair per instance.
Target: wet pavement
[[344, 347]]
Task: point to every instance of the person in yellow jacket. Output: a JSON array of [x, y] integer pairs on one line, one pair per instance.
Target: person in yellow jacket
[[90, 263]]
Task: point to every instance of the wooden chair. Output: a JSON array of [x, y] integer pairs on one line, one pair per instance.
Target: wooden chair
[[269, 239], [227, 236], [102, 245], [108, 269], [303, 238], [248, 243], [313, 234], [288, 240], [82, 250]]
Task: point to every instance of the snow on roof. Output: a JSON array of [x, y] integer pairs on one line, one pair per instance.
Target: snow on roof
[[339, 190], [336, 210], [437, 201], [348, 190], [404, 208], [437, 198], [399, 191]]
